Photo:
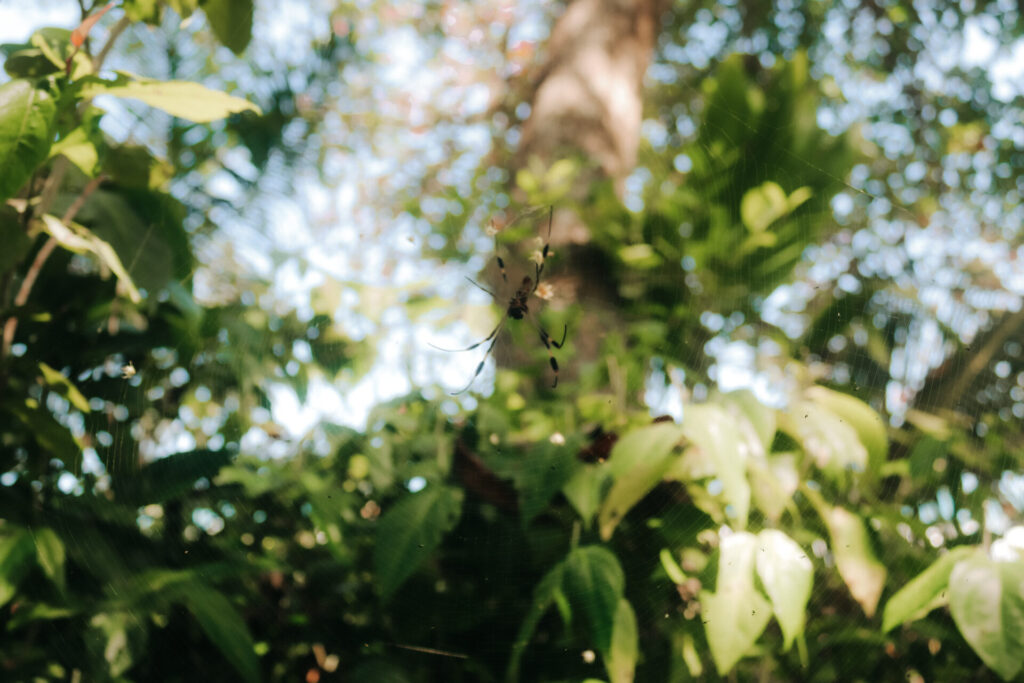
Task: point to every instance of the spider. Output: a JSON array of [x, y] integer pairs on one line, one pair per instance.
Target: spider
[[518, 309]]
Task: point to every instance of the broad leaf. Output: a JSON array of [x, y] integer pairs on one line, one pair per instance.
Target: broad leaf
[[986, 599], [858, 565], [410, 531], [183, 99], [26, 132], [716, 433], [832, 443], [231, 21], [50, 554], [866, 423], [736, 614], [224, 627], [620, 659], [81, 240], [583, 490], [16, 555], [544, 595], [638, 462], [924, 592], [787, 576], [593, 583], [171, 477]]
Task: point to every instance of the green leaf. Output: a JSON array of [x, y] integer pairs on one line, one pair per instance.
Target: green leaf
[[224, 627], [63, 386], [761, 417], [924, 592], [16, 555], [638, 462], [14, 238], [79, 149], [583, 490], [620, 660], [986, 599], [825, 437], [866, 423], [736, 614], [183, 99], [593, 583], [79, 239], [170, 478], [51, 436], [50, 554], [787, 576], [410, 531], [145, 228], [540, 476], [855, 558], [231, 21], [544, 595], [716, 434], [31, 64], [26, 132]]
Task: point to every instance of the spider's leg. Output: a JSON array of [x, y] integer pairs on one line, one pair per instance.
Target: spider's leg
[[501, 266], [544, 252], [548, 342], [483, 360], [480, 286], [486, 339]]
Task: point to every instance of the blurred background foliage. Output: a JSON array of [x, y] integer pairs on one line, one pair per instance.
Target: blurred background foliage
[[785, 442]]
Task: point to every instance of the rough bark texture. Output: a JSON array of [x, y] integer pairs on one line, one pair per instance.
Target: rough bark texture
[[588, 98]]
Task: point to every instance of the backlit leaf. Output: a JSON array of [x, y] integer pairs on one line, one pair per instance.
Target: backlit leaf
[[787, 576], [26, 132], [986, 599], [736, 614], [924, 592], [183, 99], [638, 462]]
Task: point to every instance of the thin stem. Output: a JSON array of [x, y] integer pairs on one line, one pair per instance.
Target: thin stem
[[11, 324], [112, 37]]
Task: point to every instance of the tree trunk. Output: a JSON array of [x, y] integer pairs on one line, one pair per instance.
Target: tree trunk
[[588, 99], [588, 103]]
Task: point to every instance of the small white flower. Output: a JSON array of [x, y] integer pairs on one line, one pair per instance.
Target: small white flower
[[537, 257], [128, 371], [491, 230], [545, 291], [557, 439]]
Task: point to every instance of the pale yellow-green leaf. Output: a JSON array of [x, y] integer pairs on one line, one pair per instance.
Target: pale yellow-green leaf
[[736, 614], [620, 660], [80, 239], [787, 576], [183, 99], [856, 560], [79, 150], [63, 385]]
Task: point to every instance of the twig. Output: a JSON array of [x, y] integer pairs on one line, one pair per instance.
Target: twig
[[11, 325], [112, 37]]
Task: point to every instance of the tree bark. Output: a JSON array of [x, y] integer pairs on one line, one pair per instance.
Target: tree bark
[[588, 99], [588, 103]]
